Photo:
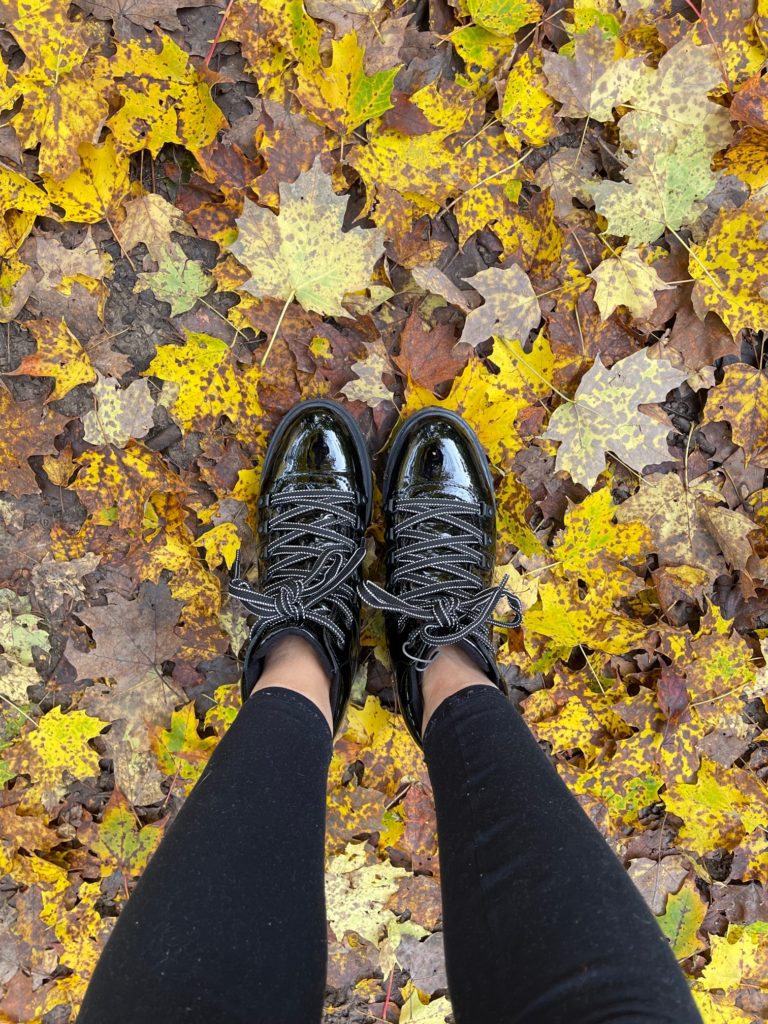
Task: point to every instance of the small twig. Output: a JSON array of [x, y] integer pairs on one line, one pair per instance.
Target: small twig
[[389, 994], [220, 29]]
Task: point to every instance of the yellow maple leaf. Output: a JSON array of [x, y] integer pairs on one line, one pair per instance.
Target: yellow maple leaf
[[59, 355], [65, 103], [165, 99], [527, 110], [54, 752], [741, 399], [96, 189], [341, 96], [357, 887], [594, 549], [210, 384], [122, 846], [22, 201], [180, 750], [491, 402], [729, 267], [739, 959], [409, 175], [570, 620], [718, 809], [114, 485]]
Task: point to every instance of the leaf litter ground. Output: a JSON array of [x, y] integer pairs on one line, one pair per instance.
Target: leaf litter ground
[[549, 219]]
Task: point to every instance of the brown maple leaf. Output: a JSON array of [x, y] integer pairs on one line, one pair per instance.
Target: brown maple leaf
[[24, 434], [429, 356], [131, 638]]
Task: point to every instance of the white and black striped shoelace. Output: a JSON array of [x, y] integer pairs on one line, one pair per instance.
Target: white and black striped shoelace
[[452, 608], [312, 559]]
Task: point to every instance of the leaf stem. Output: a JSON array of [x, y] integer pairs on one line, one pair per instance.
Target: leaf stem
[[521, 356], [283, 311]]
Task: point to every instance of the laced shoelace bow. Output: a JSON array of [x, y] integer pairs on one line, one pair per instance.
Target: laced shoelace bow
[[448, 610], [298, 592]]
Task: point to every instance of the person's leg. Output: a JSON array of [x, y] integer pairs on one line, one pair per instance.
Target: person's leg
[[542, 924], [227, 924]]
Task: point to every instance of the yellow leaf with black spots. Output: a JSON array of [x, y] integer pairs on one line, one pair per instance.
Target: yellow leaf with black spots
[[65, 103], [409, 175], [571, 621], [54, 753], [115, 484], [575, 716], [594, 549], [482, 52], [97, 188], [59, 355], [170, 545], [165, 99], [210, 384], [273, 35], [720, 808], [381, 742], [504, 17], [731, 267], [22, 201], [747, 158], [527, 110], [491, 166], [123, 846], [741, 400], [342, 96]]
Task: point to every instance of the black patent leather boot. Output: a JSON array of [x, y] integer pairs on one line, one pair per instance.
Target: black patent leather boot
[[315, 503], [440, 516]]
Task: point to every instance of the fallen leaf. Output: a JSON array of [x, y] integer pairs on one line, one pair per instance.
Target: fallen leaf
[[342, 96], [302, 252], [54, 752], [131, 637], [177, 280], [604, 416], [120, 413], [627, 280], [59, 355], [149, 220], [594, 81], [511, 309]]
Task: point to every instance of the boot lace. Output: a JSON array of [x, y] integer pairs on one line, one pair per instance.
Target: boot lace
[[456, 607], [311, 563]]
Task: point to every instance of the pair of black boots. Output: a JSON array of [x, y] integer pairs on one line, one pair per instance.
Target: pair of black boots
[[315, 506]]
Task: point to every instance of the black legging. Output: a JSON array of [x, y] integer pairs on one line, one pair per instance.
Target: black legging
[[541, 923]]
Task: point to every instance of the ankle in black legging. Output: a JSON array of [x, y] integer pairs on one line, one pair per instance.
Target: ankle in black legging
[[541, 922]]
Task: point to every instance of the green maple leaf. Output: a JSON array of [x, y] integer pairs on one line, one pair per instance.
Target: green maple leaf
[[662, 187], [177, 280]]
